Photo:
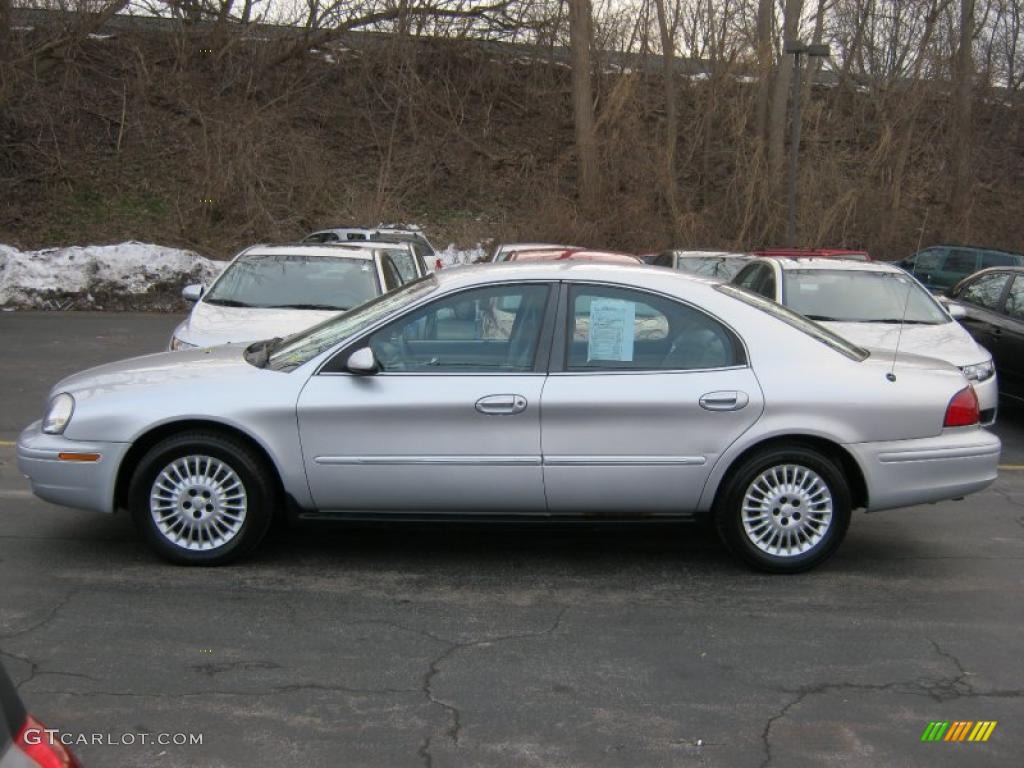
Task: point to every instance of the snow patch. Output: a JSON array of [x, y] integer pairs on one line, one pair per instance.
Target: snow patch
[[453, 257], [123, 276]]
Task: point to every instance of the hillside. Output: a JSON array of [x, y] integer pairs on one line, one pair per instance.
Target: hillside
[[207, 142]]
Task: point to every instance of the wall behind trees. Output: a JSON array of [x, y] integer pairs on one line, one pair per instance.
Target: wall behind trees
[[194, 125]]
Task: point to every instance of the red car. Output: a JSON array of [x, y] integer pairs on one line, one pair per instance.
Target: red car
[[24, 741], [815, 253], [575, 254]]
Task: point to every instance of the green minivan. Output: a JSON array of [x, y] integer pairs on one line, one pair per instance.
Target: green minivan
[[940, 267]]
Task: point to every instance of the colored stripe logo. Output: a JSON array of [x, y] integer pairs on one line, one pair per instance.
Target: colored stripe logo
[[958, 730]]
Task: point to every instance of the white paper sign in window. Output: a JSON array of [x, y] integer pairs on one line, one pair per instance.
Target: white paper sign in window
[[612, 328]]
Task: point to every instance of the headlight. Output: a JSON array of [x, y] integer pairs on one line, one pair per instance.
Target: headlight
[[177, 344], [58, 414], [979, 371]]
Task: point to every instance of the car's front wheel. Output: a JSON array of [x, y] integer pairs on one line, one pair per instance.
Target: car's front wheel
[[202, 498], [785, 509]]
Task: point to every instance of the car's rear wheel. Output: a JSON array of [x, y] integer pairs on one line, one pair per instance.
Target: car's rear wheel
[[785, 509], [202, 498]]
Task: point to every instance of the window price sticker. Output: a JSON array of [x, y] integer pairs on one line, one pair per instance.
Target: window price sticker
[[612, 328]]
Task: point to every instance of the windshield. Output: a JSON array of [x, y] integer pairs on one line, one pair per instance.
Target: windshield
[[295, 281], [854, 296], [302, 347], [720, 267], [801, 323]]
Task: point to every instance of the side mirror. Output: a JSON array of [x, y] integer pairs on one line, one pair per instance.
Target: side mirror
[[956, 311], [193, 293], [362, 362]]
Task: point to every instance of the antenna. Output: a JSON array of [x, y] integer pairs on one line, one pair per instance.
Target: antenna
[[891, 375]]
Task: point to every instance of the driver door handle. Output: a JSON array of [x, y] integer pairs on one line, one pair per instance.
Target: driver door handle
[[501, 405], [724, 401]]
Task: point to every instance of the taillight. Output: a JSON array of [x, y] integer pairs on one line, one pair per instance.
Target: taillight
[[962, 410], [43, 749]]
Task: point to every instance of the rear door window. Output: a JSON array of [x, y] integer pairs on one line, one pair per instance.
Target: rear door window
[[986, 291], [621, 329], [1015, 299], [961, 262], [997, 259]]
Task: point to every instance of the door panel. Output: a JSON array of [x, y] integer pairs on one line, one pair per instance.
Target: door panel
[[624, 428], [450, 422], [639, 442], [418, 442]]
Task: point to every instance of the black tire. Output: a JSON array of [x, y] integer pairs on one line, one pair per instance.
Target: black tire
[[729, 514], [257, 479]]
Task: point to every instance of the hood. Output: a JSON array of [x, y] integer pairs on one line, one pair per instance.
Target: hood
[[949, 341], [211, 325], [162, 368]]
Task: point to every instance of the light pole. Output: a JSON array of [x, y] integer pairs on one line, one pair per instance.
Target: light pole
[[797, 48]]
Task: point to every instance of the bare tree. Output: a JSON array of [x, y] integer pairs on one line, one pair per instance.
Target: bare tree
[[668, 55], [580, 35], [765, 58], [960, 161]]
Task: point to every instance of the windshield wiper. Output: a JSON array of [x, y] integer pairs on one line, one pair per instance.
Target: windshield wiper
[[819, 318], [258, 353], [229, 303], [330, 307]]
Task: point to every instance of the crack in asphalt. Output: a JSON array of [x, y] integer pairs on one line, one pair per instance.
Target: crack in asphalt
[[50, 616], [213, 669], [454, 730], [944, 689]]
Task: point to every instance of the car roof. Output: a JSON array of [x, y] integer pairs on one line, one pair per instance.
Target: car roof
[[972, 248], [529, 246], [810, 253], [636, 274], [573, 254], [340, 250], [683, 254], [385, 228], [832, 263]]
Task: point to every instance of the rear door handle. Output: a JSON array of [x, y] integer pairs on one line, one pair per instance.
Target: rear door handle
[[501, 405], [724, 401]]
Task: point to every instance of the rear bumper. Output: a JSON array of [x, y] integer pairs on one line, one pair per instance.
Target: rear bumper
[[901, 473], [80, 484]]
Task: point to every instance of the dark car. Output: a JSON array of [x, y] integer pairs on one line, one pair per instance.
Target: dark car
[[940, 267], [24, 741], [994, 301]]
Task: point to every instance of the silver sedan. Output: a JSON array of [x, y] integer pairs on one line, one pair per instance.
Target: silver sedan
[[564, 391]]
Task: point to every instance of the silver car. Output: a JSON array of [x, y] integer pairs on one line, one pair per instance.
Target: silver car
[[564, 391], [389, 233], [277, 290], [877, 305]]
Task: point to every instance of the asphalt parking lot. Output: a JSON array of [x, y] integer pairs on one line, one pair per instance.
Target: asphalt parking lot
[[427, 646]]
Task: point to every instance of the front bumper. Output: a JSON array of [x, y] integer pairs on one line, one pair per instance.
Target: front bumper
[[900, 473], [80, 484]]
